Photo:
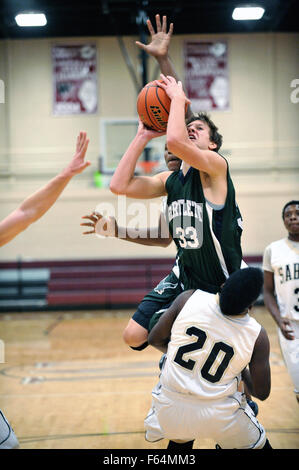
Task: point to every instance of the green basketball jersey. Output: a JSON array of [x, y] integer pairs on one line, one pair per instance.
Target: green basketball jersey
[[208, 237]]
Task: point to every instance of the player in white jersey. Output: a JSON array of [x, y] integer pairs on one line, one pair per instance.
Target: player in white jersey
[[210, 340], [281, 289]]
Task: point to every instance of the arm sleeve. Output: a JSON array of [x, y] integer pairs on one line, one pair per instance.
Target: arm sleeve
[[267, 259]]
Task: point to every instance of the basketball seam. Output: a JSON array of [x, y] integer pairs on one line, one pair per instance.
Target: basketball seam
[[160, 101], [147, 110]]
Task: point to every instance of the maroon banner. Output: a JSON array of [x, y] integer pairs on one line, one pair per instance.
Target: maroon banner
[[206, 75], [75, 79]]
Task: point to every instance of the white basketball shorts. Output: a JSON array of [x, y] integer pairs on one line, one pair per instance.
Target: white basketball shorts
[[230, 422], [290, 353]]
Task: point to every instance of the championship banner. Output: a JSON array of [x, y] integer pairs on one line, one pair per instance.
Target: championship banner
[[75, 79], [206, 75]]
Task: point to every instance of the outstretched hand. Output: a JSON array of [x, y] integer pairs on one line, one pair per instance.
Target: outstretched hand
[[160, 39], [172, 87], [78, 162], [104, 226]]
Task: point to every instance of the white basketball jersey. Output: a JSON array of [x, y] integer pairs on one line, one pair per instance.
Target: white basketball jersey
[[282, 258], [208, 350]]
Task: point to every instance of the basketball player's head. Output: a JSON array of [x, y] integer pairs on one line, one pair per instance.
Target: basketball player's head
[[173, 163], [215, 139], [290, 216], [240, 291]]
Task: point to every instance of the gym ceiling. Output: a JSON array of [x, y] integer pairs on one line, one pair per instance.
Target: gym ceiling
[[71, 18]]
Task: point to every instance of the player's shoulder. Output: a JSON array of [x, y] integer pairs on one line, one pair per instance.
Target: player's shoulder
[[276, 244], [221, 158], [202, 297], [163, 175], [262, 340], [185, 296]]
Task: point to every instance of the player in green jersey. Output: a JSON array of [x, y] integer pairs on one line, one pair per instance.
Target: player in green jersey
[[203, 216], [205, 222]]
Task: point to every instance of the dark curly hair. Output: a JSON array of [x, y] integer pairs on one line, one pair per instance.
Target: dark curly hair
[[215, 137], [241, 290]]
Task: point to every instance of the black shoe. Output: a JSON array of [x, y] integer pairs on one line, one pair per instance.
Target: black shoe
[[253, 406]]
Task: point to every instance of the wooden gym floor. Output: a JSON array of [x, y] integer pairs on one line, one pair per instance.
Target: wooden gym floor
[[69, 382]]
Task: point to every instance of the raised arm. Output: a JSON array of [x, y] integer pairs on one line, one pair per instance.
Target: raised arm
[[159, 48], [36, 205], [190, 144], [124, 180]]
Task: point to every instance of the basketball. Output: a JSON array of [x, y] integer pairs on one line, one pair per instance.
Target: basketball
[[153, 107]]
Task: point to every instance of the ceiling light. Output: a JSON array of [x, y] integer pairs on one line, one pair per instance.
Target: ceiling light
[[248, 13], [31, 19]]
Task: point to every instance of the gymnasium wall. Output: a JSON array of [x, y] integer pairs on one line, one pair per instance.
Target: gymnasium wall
[[260, 140]]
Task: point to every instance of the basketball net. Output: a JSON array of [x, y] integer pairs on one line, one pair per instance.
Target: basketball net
[[147, 167]]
